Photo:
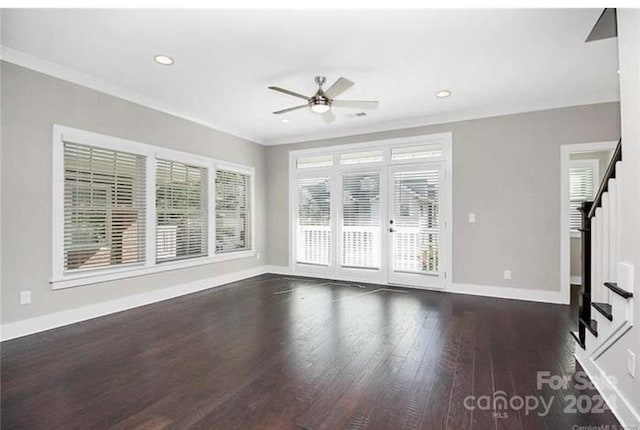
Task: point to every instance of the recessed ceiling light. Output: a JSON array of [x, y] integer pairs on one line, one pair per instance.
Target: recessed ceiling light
[[443, 94], [285, 121], [164, 60]]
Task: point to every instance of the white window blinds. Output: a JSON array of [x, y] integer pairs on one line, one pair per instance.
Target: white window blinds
[[581, 189], [181, 211], [104, 207], [232, 211], [361, 220], [314, 221], [416, 216]]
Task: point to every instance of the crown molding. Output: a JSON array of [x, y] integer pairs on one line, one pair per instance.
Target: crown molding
[[430, 120], [62, 72], [55, 70]]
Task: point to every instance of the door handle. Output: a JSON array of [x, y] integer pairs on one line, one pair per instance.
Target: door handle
[[392, 230]]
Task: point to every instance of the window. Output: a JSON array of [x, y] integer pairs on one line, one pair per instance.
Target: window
[[361, 157], [314, 221], [124, 208], [181, 211], [361, 220], [104, 208], [232, 211], [416, 152], [325, 160], [582, 177]]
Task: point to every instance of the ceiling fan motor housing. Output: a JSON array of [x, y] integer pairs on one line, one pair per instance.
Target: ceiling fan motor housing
[[319, 102]]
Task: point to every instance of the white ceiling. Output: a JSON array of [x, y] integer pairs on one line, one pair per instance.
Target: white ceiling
[[494, 62]]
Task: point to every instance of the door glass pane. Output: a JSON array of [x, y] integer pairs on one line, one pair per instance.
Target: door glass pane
[[374, 156], [314, 161], [416, 221], [416, 152], [361, 220], [314, 221]]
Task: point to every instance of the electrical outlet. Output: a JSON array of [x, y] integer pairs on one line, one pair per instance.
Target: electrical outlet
[[631, 363], [472, 218], [507, 274], [25, 297]]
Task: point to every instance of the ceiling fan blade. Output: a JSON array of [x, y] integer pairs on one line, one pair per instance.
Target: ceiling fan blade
[[357, 104], [289, 92], [278, 112], [338, 87], [328, 117]]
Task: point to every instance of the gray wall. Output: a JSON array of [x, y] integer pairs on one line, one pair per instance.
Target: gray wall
[[506, 170], [31, 104]]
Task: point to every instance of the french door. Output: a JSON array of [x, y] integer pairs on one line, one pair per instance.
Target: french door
[[377, 214], [415, 225]]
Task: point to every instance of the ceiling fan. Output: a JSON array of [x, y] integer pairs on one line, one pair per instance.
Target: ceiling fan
[[322, 101]]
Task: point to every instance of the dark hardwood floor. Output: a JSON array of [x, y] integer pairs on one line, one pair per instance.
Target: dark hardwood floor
[[294, 353]]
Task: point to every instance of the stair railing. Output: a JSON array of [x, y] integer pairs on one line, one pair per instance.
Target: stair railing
[[598, 243]]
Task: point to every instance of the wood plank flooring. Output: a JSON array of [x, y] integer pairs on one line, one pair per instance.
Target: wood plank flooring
[[276, 352]]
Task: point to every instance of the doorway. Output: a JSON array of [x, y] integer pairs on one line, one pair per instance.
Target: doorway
[[415, 225], [376, 212], [582, 167]]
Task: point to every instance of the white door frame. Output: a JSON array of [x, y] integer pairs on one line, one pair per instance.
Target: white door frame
[[565, 227], [334, 272]]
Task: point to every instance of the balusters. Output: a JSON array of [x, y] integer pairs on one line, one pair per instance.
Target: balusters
[[596, 252], [613, 228], [605, 228], [617, 217], [587, 252]]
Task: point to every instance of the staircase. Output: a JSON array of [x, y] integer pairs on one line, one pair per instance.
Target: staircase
[[606, 301]]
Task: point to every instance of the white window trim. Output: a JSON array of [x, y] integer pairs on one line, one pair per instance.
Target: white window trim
[[594, 163], [60, 279], [334, 171]]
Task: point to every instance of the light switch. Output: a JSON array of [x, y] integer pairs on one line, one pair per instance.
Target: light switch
[[25, 297], [507, 274], [472, 218]]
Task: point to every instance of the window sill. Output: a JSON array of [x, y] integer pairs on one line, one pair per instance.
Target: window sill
[[94, 277]]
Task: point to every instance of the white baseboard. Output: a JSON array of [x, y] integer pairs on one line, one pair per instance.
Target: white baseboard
[[542, 296], [59, 319], [619, 405], [576, 280], [278, 270]]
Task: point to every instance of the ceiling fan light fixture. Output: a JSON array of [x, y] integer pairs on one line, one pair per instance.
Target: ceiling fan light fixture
[[320, 107], [443, 94]]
